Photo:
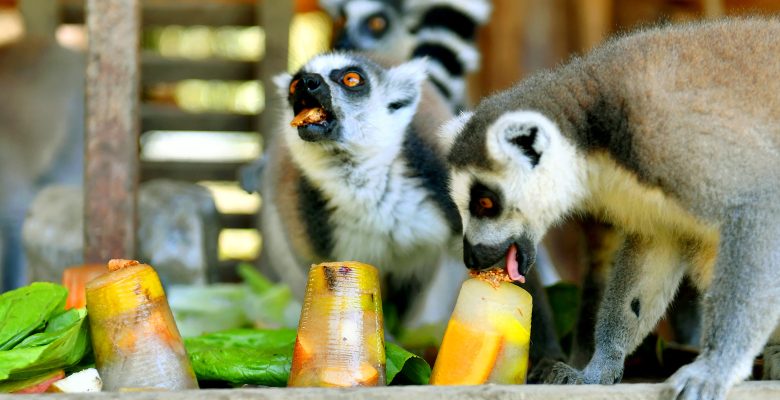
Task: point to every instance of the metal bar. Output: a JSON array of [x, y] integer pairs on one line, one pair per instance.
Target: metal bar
[[111, 154]]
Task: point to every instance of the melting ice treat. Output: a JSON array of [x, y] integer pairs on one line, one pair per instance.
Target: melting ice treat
[[488, 335], [340, 339]]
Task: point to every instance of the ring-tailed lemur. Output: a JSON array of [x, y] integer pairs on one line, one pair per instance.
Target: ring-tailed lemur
[[362, 177], [444, 31], [672, 135]]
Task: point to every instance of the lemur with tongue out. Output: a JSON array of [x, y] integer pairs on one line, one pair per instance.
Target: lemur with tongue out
[[358, 174], [671, 134]]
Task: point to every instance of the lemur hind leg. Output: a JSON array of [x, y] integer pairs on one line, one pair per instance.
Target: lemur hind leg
[[741, 306], [643, 280]]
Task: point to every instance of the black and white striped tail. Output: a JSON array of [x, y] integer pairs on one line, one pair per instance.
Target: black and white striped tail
[[445, 33]]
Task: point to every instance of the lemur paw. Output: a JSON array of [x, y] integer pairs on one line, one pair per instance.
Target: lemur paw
[[697, 382], [772, 362], [603, 372], [562, 374], [541, 370]]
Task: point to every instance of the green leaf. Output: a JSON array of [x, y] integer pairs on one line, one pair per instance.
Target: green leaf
[[264, 357], [253, 278], [25, 310], [260, 357], [405, 368], [62, 345]]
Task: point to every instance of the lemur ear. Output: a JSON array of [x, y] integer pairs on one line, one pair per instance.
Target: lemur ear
[[452, 128], [526, 132], [282, 83], [403, 84]]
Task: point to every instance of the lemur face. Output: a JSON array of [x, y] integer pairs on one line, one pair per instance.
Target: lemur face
[[370, 25], [341, 101], [513, 176]]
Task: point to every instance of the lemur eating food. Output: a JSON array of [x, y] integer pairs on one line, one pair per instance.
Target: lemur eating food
[[670, 134], [360, 176]]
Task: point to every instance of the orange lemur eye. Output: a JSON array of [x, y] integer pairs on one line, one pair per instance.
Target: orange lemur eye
[[377, 24], [293, 84], [352, 79], [486, 203]]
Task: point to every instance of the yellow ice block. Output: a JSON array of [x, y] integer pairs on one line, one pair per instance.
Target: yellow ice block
[[488, 336]]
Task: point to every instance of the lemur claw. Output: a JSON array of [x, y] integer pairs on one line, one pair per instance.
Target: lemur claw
[[696, 382], [563, 374], [542, 370]]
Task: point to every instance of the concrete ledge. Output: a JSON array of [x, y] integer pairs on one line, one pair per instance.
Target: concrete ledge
[[767, 390]]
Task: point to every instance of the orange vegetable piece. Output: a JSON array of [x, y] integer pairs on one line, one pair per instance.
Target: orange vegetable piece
[[75, 280], [301, 354], [466, 356]]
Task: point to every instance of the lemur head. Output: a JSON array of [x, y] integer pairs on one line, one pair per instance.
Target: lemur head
[[513, 176], [370, 25], [345, 103]]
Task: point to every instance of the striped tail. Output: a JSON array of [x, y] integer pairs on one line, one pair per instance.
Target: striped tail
[[445, 33]]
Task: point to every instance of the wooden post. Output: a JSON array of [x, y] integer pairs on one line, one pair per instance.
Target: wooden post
[[713, 8], [112, 124], [274, 17]]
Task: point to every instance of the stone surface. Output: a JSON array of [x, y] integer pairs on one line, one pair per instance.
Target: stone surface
[[745, 391], [177, 232]]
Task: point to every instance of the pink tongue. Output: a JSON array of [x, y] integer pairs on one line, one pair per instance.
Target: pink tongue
[[511, 265]]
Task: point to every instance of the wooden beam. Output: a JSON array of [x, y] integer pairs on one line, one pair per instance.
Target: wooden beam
[[594, 22], [178, 12], [156, 69], [190, 171], [713, 8], [274, 17], [111, 157], [171, 118]]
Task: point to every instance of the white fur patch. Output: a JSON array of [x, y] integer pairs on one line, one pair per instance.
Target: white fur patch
[[452, 128]]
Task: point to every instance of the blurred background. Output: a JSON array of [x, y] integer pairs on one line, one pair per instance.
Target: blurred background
[[204, 76]]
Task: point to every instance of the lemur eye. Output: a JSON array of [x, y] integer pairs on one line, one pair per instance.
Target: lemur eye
[[293, 85], [484, 202], [377, 23], [351, 79]]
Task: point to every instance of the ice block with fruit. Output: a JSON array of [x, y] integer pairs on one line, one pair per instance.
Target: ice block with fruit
[[488, 335], [340, 340], [134, 336]]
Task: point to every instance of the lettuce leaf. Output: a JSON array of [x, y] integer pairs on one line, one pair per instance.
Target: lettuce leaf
[[63, 343], [264, 357], [259, 357], [27, 309]]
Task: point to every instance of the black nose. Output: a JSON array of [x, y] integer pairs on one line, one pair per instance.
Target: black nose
[[482, 256], [312, 82]]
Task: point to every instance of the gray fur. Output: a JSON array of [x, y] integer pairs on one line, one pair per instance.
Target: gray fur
[[686, 118]]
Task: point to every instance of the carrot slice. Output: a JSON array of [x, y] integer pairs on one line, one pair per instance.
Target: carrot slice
[[75, 280], [466, 356]]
